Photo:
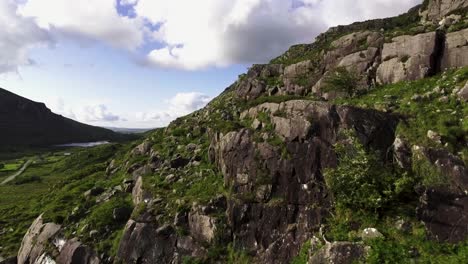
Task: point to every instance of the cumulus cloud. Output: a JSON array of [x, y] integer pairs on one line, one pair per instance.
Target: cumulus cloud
[[184, 34], [199, 34], [99, 113], [179, 105], [18, 35], [97, 20]]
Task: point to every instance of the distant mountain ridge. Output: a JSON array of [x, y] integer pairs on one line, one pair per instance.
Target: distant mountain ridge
[[25, 122]]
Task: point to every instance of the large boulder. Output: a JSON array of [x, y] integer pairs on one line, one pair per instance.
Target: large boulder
[[408, 58], [35, 240], [145, 243], [202, 226], [73, 252], [253, 84], [456, 50]]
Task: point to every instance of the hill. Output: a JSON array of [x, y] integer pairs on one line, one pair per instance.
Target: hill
[[28, 123], [352, 149]]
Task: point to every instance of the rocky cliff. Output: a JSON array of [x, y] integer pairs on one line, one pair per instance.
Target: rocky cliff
[[286, 165]]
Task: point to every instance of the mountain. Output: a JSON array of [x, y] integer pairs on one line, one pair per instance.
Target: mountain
[[28, 123], [347, 150]]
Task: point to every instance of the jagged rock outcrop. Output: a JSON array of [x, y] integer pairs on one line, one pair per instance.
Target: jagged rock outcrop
[[407, 58], [35, 240], [437, 9], [456, 50], [282, 190], [43, 243], [444, 209]]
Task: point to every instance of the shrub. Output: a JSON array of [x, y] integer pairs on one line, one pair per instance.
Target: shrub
[[342, 80], [361, 180]]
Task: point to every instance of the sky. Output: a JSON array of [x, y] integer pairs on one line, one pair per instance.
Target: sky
[[143, 63]]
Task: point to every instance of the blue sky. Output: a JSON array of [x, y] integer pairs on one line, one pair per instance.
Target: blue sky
[[142, 63]]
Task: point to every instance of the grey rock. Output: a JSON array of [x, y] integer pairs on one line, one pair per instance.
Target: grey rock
[[121, 214], [35, 240], [371, 233], [339, 252], [463, 93], [407, 58], [456, 50]]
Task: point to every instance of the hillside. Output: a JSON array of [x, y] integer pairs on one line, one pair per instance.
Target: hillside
[[352, 149], [27, 123]]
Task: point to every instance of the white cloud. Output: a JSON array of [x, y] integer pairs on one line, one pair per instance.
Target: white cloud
[[18, 35], [203, 33], [98, 113], [93, 19], [179, 105], [190, 35]]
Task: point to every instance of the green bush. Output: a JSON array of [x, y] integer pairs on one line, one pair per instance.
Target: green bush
[[342, 80], [361, 180]]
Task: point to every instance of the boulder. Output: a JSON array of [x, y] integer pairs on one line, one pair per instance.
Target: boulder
[[121, 214], [456, 50], [35, 240], [146, 243], [407, 58], [463, 93], [73, 252], [202, 227], [179, 162], [139, 195], [142, 149], [339, 252]]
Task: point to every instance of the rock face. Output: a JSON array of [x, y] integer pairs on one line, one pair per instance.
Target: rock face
[[407, 58], [35, 240], [282, 189], [437, 9], [456, 49], [444, 209]]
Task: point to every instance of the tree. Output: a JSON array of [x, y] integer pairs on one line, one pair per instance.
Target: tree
[[342, 80]]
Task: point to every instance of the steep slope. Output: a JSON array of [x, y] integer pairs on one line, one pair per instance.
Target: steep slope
[[352, 148], [24, 122]]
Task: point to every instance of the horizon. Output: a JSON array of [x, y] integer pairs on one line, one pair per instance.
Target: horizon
[[144, 63]]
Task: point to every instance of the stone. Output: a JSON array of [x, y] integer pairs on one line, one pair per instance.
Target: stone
[[93, 233], [403, 225], [35, 240], [93, 192], [202, 227], [142, 149], [75, 252], [434, 136], [339, 252], [402, 153], [370, 234], [407, 58], [463, 93], [191, 147], [121, 214], [146, 243], [138, 194], [179, 162], [456, 50]]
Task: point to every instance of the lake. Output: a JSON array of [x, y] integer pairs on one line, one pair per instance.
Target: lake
[[85, 144]]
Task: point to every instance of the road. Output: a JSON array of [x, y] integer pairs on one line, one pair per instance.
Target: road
[[18, 173]]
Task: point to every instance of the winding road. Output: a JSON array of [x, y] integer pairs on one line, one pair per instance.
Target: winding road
[[18, 173]]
